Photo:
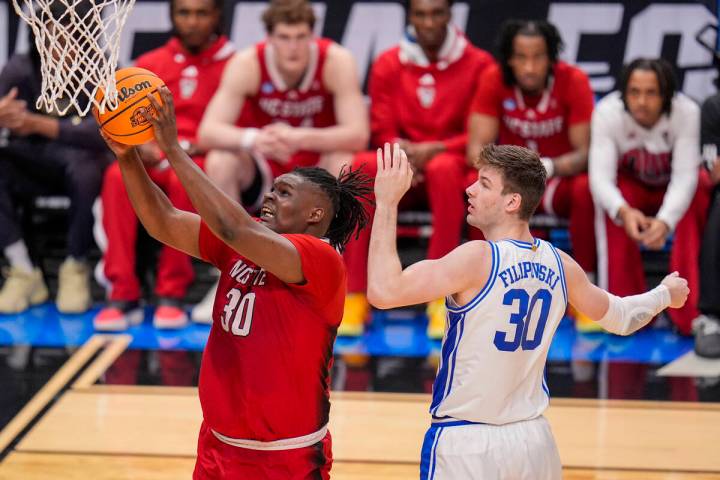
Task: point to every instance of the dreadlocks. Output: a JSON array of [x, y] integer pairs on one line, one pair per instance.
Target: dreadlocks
[[349, 193]]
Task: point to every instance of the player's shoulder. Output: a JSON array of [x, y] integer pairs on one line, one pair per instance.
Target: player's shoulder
[[611, 105], [493, 73], [568, 71], [388, 58], [478, 54], [244, 62], [336, 53], [682, 105], [156, 56]]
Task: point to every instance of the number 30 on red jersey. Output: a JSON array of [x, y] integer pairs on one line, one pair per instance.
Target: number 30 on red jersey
[[238, 313]]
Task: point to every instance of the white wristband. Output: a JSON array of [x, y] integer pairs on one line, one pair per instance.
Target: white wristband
[[549, 165], [247, 139]]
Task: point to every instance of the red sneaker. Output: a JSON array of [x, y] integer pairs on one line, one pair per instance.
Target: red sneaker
[[118, 316], [170, 315]]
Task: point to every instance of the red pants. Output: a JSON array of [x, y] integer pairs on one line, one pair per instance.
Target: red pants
[[174, 271], [570, 197], [446, 177], [219, 461], [620, 268]]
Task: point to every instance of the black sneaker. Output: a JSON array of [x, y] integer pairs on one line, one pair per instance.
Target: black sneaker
[[707, 336]]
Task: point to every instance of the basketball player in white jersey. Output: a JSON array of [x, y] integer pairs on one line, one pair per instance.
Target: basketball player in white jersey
[[505, 298]]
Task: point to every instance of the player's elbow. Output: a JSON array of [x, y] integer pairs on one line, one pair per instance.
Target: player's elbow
[[379, 298]]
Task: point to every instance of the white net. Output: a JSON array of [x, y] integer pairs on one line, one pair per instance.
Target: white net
[[78, 42]]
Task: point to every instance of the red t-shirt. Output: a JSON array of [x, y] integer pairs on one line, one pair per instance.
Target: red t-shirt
[[537, 122], [421, 103], [310, 104], [265, 369], [192, 79]]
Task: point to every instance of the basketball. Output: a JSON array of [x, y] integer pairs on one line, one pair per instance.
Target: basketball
[[126, 124]]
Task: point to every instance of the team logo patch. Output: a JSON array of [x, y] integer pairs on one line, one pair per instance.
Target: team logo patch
[[426, 96], [509, 104], [267, 87], [138, 118], [187, 87]]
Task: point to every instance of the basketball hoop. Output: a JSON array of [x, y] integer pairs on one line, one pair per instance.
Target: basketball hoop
[[78, 42]]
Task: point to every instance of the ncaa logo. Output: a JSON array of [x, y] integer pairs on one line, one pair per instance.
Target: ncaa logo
[[267, 87], [509, 104]]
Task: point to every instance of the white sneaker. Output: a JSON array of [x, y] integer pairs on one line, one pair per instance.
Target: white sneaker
[[74, 287], [202, 312], [22, 289]]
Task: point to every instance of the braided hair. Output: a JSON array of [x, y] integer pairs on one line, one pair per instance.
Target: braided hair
[[349, 193]]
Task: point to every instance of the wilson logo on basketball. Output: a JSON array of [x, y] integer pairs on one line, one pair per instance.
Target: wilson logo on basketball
[[137, 119], [124, 93]]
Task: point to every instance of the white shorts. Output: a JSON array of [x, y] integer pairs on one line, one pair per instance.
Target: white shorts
[[463, 450]]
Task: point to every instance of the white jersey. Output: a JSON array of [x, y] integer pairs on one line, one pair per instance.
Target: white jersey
[[667, 155], [495, 347]]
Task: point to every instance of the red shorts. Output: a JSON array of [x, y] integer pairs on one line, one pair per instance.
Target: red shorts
[[217, 460]]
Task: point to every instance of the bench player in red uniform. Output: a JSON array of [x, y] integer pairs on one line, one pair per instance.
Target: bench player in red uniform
[[265, 370], [534, 100], [191, 64], [420, 94]]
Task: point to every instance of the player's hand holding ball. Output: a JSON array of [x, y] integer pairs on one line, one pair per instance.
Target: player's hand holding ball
[[678, 288], [394, 175], [162, 118]]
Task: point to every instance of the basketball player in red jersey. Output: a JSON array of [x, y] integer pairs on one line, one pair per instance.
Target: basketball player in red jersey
[[420, 92], [191, 65], [291, 100], [264, 375], [534, 100]]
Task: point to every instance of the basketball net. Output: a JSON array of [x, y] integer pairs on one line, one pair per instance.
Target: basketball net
[[79, 43]]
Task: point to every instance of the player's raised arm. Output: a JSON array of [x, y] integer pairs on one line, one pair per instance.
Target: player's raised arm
[[621, 315], [388, 284], [164, 222], [217, 129], [226, 218]]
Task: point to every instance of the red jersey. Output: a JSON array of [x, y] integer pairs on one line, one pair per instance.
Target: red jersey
[[537, 122], [192, 79], [265, 369], [424, 102], [310, 104]]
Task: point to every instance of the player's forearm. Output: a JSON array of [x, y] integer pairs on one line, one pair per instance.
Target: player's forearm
[[151, 205], [338, 138], [219, 135], [683, 183], [384, 267], [626, 315], [225, 217], [571, 163], [45, 126]]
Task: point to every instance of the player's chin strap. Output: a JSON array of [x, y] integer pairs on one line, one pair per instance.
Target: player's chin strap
[[628, 314]]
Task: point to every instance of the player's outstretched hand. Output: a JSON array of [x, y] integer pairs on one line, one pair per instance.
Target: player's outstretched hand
[[163, 120], [394, 175], [678, 288]]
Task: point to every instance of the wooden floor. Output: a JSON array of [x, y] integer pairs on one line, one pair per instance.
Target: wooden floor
[[104, 432]]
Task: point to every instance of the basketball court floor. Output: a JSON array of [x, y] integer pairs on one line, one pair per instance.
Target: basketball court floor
[[100, 415]]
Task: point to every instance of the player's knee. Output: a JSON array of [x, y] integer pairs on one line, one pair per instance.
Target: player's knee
[[225, 167], [334, 162], [445, 164], [367, 161]]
